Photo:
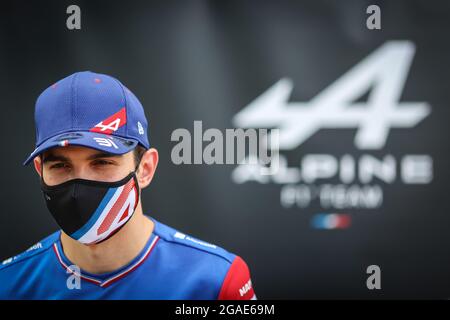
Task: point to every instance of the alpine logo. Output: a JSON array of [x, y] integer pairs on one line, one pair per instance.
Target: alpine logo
[[112, 123], [114, 211], [126, 199], [346, 178], [384, 73]]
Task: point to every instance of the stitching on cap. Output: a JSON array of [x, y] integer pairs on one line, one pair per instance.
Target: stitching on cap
[[72, 98], [126, 102]]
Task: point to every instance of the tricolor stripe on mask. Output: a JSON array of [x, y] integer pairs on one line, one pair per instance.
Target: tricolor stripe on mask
[[115, 209]]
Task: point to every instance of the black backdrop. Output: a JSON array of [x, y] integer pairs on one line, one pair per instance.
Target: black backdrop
[[207, 60]]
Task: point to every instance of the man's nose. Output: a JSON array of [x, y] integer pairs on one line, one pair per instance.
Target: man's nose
[[81, 172]]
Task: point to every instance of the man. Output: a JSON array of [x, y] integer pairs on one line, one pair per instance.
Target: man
[[93, 158]]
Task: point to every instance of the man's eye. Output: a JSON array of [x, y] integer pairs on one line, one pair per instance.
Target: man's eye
[[102, 162], [59, 165]]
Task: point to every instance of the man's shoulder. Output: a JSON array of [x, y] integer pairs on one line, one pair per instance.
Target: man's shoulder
[[186, 243], [33, 252], [228, 273]]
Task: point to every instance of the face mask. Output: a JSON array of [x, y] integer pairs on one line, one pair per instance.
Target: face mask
[[92, 211]]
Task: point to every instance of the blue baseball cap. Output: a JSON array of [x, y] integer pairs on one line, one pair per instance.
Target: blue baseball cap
[[92, 110]]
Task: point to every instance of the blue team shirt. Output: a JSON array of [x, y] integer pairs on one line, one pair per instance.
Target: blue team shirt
[[172, 265]]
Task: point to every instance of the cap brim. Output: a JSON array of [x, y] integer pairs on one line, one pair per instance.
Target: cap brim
[[99, 141]]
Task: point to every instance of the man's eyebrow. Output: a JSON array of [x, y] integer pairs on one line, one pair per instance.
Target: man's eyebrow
[[103, 155], [53, 157]]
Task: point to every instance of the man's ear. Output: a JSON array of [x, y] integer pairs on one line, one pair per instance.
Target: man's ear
[[147, 167], [37, 161]]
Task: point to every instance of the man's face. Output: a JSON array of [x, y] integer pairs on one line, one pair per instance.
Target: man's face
[[61, 164]]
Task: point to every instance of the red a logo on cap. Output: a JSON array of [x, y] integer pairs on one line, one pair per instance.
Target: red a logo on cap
[[112, 123]]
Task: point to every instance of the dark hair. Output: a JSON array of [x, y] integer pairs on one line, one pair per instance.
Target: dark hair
[[138, 152]]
